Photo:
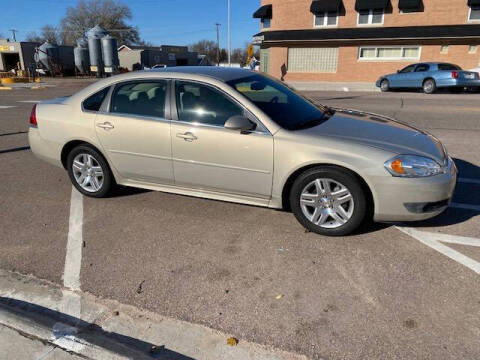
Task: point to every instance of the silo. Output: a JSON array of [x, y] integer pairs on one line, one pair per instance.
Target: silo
[[110, 54], [82, 59], [95, 48], [47, 55]]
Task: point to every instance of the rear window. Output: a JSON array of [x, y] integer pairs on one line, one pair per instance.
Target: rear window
[[94, 102], [448, 67]]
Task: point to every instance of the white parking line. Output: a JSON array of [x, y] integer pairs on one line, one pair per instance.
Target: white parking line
[[434, 241], [469, 180], [73, 259], [6, 106]]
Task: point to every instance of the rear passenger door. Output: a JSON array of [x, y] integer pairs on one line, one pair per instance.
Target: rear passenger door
[[134, 132], [420, 73]]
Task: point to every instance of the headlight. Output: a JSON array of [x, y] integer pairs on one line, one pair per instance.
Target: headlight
[[413, 166]]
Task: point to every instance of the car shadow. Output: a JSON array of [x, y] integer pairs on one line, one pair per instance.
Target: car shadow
[[465, 202], [123, 191], [61, 324]]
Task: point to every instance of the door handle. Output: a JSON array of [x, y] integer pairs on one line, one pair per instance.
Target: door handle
[[188, 136], [106, 125]]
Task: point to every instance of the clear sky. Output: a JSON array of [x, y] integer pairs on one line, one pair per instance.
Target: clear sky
[[175, 22]]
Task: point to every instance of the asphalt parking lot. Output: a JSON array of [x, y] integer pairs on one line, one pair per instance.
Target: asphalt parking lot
[[393, 291]]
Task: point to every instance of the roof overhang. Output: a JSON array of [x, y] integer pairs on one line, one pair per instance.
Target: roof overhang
[[371, 4], [373, 33], [323, 6], [264, 12]]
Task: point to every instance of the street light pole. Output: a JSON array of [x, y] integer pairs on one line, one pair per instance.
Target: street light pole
[[218, 45], [229, 36]]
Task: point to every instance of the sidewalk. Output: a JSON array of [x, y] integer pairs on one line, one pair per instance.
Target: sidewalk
[[334, 86], [40, 320]]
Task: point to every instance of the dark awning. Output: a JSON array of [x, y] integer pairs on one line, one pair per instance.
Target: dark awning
[[374, 33], [265, 12], [410, 4], [473, 2], [371, 4], [322, 6]]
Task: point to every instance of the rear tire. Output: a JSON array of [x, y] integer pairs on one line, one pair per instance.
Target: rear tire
[[429, 86], [317, 195], [89, 171], [385, 85]]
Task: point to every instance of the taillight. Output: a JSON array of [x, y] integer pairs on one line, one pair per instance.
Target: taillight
[[33, 116], [455, 74]]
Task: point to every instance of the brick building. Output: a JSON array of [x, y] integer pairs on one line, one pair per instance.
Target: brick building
[[358, 40]]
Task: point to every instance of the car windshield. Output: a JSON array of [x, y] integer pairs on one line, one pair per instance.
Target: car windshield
[[288, 109]]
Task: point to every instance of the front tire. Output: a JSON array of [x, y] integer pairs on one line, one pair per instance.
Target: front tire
[[328, 201], [429, 86], [89, 171], [385, 85]]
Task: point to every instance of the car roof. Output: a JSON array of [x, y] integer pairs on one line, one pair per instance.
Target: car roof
[[217, 72]]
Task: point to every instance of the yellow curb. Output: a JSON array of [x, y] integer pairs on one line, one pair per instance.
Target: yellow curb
[[5, 88], [38, 87]]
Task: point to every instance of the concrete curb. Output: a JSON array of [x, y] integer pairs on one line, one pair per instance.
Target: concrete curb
[[333, 86], [95, 328]]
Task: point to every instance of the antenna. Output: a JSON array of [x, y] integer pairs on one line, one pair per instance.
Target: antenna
[[13, 34]]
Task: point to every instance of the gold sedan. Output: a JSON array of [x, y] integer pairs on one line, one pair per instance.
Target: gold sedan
[[236, 135]]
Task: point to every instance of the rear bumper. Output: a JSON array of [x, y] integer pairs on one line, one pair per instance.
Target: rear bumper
[[413, 199], [458, 83], [42, 148]]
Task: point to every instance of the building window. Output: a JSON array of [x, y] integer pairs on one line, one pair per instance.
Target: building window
[[444, 49], [370, 17], [266, 23], [472, 49], [319, 60], [389, 53], [326, 19], [474, 13]]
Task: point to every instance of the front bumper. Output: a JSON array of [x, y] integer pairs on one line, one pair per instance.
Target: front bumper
[[413, 199]]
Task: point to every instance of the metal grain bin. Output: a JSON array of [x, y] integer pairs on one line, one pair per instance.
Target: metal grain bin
[[95, 48], [110, 54], [81, 56], [47, 55]]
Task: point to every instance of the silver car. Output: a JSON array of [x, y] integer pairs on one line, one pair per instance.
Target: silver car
[[236, 135]]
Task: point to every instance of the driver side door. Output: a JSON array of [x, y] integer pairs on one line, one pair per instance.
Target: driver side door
[[208, 156]]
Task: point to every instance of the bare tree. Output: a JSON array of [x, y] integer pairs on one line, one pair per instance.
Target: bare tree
[[48, 33], [110, 15]]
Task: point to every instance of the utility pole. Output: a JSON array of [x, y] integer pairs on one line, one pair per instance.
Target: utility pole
[[13, 34], [218, 44], [229, 37]]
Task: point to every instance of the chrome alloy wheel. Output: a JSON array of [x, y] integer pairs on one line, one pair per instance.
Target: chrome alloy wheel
[[87, 172], [326, 203]]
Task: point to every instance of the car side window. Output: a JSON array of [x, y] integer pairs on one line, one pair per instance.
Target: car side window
[[422, 68], [204, 104], [94, 102], [145, 98], [407, 69], [447, 67]]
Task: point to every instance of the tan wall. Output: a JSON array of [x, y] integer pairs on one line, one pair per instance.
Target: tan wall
[[295, 14], [352, 70]]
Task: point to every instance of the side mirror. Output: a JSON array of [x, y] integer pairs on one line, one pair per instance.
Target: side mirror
[[398, 71], [241, 123]]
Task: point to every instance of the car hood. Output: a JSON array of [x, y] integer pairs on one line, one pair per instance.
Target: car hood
[[381, 132]]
